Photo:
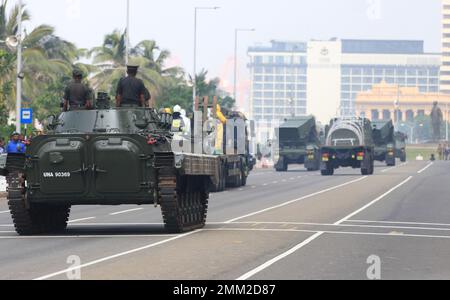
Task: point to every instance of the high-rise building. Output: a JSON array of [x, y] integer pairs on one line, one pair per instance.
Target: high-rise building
[[323, 78], [445, 68]]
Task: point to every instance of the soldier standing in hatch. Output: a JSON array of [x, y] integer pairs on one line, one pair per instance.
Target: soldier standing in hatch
[[77, 96], [131, 90]]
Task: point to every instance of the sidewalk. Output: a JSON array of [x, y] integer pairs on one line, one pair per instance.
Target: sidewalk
[[2, 188]]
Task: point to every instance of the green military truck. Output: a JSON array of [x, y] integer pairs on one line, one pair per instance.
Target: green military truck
[[299, 143], [400, 145], [105, 156], [384, 139], [349, 143]]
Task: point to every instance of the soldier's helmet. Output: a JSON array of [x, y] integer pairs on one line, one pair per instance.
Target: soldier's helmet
[[177, 109], [77, 73]]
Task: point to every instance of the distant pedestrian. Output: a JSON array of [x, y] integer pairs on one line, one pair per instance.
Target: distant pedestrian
[[2, 145], [440, 151], [15, 146]]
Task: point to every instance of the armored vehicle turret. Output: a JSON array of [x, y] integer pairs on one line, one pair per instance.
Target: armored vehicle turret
[[106, 157]]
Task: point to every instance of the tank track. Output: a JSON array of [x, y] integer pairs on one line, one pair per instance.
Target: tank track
[[184, 207], [37, 218]]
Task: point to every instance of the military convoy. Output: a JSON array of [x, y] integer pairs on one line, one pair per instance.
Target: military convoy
[[107, 157], [349, 143], [384, 139], [299, 143]]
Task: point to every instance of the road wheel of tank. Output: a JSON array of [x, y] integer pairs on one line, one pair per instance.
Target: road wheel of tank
[[403, 158], [183, 200], [328, 172], [37, 218]]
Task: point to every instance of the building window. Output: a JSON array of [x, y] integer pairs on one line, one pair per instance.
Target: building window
[[368, 72], [268, 70], [268, 86], [258, 78], [279, 95], [375, 115], [279, 60], [258, 60], [356, 72], [258, 86], [268, 78], [345, 71], [409, 116], [279, 78], [386, 115]]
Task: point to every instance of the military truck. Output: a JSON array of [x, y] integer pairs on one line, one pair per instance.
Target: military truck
[[225, 134], [383, 136], [299, 143], [106, 156], [349, 143], [400, 145]]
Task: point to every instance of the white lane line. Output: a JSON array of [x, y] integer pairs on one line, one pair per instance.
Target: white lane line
[[399, 223], [266, 265], [374, 201], [81, 220], [95, 262], [42, 237], [424, 169], [297, 200], [334, 232], [343, 225], [280, 257], [4, 212], [393, 168], [126, 211]]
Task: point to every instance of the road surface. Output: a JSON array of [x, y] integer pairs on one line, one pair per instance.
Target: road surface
[[294, 225]]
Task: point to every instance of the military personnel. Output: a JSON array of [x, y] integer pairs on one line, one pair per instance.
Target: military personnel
[[77, 96], [131, 90]]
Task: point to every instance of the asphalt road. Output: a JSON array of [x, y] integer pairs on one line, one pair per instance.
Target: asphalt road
[[294, 225]]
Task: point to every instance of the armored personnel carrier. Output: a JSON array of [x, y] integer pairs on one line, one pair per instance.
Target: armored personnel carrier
[[349, 143], [299, 143], [383, 135], [106, 157]]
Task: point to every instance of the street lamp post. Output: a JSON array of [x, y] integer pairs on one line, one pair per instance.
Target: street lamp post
[[194, 91], [127, 36], [19, 68], [236, 32]]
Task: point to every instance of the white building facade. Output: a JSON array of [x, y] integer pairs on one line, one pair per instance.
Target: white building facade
[[323, 78]]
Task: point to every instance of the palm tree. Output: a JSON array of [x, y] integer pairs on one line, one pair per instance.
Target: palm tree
[[110, 60], [46, 58]]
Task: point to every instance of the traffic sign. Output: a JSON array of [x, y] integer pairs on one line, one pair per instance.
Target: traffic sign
[[26, 116]]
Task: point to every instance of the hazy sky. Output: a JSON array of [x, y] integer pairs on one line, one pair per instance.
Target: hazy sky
[[170, 23]]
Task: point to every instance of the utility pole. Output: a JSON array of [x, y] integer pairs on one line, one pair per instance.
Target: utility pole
[[194, 77], [19, 69], [127, 35]]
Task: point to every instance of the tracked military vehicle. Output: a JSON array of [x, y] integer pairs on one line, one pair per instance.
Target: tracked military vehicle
[[384, 139], [106, 157], [349, 143], [299, 143]]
